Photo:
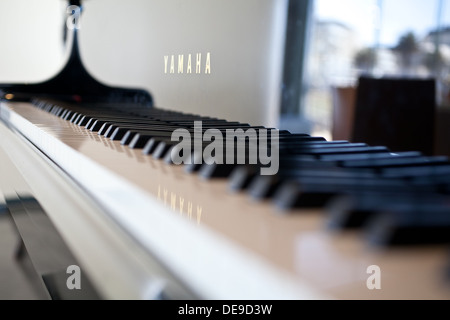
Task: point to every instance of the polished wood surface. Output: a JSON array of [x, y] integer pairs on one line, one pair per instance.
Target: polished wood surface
[[211, 235]]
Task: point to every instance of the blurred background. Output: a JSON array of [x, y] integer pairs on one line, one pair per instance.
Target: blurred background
[[403, 38]]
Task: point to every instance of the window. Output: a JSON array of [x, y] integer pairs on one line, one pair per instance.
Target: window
[[377, 37]]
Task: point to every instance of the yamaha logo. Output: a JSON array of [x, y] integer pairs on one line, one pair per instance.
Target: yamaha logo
[[197, 63]]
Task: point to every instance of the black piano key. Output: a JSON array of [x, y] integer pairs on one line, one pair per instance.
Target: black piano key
[[73, 117], [296, 165], [192, 161], [163, 150], [290, 166], [209, 171], [109, 131], [209, 123], [351, 211], [309, 148], [151, 146], [323, 153], [77, 118], [244, 174], [295, 169], [83, 121], [316, 192], [349, 160], [339, 158], [195, 163], [313, 147], [55, 110], [90, 122], [330, 152], [396, 162], [96, 125], [418, 221], [68, 114], [242, 153], [241, 156], [49, 107], [186, 159], [130, 120], [441, 182], [168, 159], [117, 131], [128, 137], [416, 171], [95, 122], [293, 195], [302, 138], [306, 142], [263, 187], [241, 177], [59, 112], [162, 131], [138, 139], [103, 129], [110, 127]]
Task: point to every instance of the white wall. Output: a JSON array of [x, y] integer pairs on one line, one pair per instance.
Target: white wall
[[31, 46]]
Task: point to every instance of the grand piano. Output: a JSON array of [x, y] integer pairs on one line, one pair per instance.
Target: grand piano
[[89, 180]]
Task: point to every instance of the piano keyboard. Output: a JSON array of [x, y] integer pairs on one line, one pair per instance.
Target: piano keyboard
[[314, 230]]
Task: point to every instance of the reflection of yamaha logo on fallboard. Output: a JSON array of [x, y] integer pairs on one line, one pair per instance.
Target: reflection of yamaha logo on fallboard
[[192, 63]]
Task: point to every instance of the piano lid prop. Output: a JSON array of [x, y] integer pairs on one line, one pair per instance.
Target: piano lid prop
[[74, 83]]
